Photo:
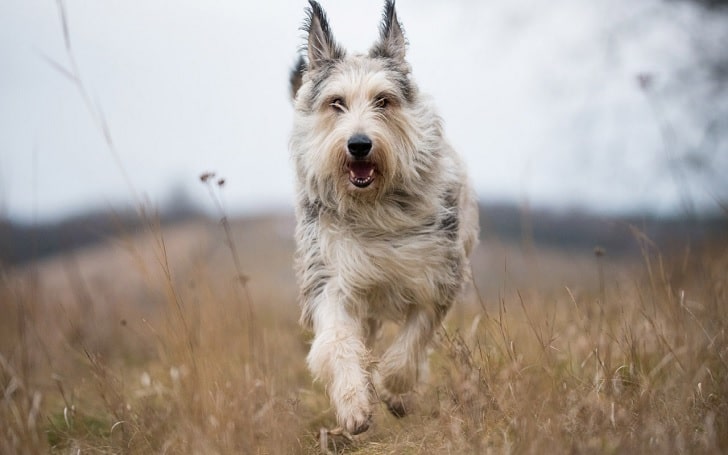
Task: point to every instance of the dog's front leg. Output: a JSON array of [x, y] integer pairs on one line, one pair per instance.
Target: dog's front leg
[[403, 364], [339, 357]]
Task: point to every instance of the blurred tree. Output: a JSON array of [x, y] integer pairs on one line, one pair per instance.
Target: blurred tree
[[691, 107], [712, 3]]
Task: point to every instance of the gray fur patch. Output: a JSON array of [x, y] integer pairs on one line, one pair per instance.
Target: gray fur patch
[[450, 222], [296, 77]]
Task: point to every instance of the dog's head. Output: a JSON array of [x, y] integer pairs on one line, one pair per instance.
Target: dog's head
[[358, 121]]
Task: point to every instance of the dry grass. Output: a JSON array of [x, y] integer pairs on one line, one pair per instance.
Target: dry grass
[[186, 358], [186, 341]]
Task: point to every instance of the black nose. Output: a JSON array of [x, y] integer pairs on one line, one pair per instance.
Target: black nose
[[359, 145]]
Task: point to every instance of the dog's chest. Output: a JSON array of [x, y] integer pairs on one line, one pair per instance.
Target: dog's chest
[[389, 271]]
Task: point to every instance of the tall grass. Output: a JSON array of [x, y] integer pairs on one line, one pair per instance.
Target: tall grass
[[636, 364], [165, 368], [645, 370], [189, 360]]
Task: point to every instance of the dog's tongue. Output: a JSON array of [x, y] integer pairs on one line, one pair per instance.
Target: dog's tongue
[[361, 169]]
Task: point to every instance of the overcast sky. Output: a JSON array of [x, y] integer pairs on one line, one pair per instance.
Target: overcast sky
[[539, 97]]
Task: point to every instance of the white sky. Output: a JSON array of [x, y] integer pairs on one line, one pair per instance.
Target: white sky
[[539, 97]]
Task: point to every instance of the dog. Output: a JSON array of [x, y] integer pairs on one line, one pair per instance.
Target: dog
[[385, 217]]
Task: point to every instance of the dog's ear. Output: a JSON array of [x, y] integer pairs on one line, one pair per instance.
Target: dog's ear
[[296, 77], [392, 43], [321, 46]]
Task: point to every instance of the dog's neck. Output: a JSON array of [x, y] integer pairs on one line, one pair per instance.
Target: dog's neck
[[393, 213]]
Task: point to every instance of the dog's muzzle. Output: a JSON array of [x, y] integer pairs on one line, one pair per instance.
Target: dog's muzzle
[[361, 170]]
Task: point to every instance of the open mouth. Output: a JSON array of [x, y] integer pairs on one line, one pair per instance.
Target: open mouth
[[361, 173]]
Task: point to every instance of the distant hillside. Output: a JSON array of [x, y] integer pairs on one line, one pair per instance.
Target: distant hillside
[[20, 243], [580, 231]]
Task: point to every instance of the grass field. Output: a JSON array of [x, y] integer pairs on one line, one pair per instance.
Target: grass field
[[185, 340]]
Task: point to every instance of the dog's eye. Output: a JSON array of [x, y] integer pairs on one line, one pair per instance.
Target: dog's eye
[[337, 104], [381, 102]]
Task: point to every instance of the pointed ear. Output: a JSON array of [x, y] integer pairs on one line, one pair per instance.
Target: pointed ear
[[321, 45], [392, 43]]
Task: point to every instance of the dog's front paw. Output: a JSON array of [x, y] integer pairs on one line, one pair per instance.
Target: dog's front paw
[[358, 423], [354, 409], [355, 414], [353, 406]]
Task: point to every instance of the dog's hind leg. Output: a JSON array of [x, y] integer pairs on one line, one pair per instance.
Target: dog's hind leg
[[339, 356], [404, 363]]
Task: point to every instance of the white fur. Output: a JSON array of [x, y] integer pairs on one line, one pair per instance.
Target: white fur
[[396, 250]]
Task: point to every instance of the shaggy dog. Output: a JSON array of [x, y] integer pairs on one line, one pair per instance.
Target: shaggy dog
[[385, 215]]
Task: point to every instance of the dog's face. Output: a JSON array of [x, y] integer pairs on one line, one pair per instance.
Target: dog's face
[[354, 134]]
